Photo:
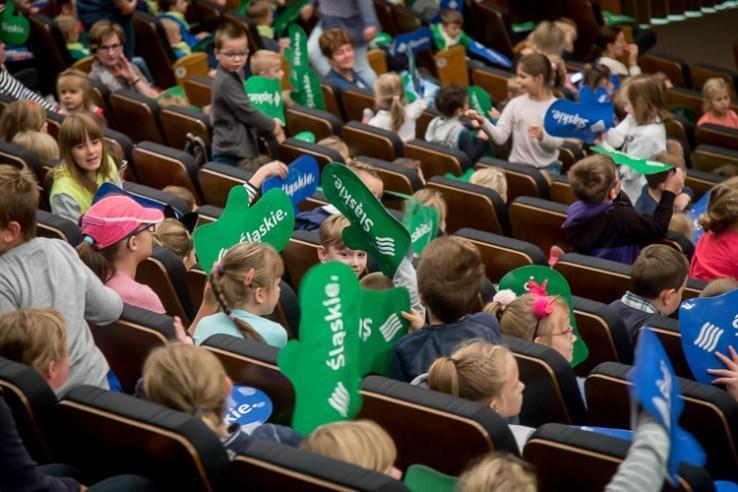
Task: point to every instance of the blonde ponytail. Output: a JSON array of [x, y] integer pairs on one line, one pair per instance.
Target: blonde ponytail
[[443, 376], [390, 96]]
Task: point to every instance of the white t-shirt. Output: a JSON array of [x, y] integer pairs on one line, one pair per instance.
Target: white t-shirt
[[383, 119], [619, 68]]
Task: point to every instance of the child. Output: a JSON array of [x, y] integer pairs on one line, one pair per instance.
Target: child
[[716, 253], [338, 145], [362, 443], [599, 224], [393, 111], [449, 31], [38, 339], [596, 77], [412, 164], [535, 317], [41, 145], [681, 223], [71, 27], [174, 236], [499, 471], [332, 247], [85, 165], [245, 285], [262, 13], [716, 104], [376, 281], [42, 272], [433, 198], [719, 286], [267, 64], [117, 238], [642, 133], [484, 373], [523, 117], [174, 36], [492, 178], [234, 120], [185, 195], [176, 10], [20, 116], [659, 276], [192, 380], [75, 94], [651, 192], [450, 277], [610, 47]]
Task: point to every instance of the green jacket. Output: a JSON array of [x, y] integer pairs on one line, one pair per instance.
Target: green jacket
[[442, 42]]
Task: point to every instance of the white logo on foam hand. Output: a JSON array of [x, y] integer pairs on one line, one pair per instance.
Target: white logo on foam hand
[[385, 245], [340, 399], [709, 337], [390, 327]]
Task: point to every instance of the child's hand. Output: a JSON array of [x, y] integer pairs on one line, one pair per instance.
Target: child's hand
[[278, 131], [283, 43], [675, 181], [202, 35], [179, 332], [729, 376], [274, 168], [369, 33], [535, 131], [681, 202], [481, 135], [473, 115], [493, 114], [416, 321]]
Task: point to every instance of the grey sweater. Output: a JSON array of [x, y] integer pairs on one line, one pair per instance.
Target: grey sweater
[[44, 273], [235, 122]]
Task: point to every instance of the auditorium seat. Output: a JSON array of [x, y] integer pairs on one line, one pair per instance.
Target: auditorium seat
[[47, 44], [196, 280], [489, 212], [322, 124], [495, 33], [539, 222], [395, 178], [291, 149], [165, 273], [551, 391], [137, 116], [421, 124], [159, 166], [177, 122], [701, 182], [114, 433], [170, 202], [371, 141], [287, 310], [205, 13], [208, 213], [674, 67], [594, 278], [667, 329], [522, 179], [217, 180], [701, 72], [561, 191], [492, 80], [710, 414], [300, 254], [435, 159], [679, 97], [56, 227], [719, 136], [127, 342], [18, 156], [119, 143], [707, 158], [53, 124], [355, 100], [199, 90], [152, 45], [502, 254]]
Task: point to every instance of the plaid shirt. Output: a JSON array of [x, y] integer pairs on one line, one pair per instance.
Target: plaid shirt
[[638, 302]]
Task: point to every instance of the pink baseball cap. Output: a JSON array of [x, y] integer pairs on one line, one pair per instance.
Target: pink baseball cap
[[115, 217]]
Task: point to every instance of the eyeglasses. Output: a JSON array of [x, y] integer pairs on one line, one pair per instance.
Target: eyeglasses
[[566, 331], [235, 54], [110, 47], [146, 227]]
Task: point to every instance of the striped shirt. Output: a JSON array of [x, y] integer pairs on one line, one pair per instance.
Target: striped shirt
[[10, 86]]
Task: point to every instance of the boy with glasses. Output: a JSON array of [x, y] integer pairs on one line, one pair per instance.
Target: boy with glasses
[[235, 122]]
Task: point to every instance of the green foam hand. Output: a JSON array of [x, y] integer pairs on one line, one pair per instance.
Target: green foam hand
[[323, 365], [289, 14], [306, 90], [14, 29], [422, 224], [643, 166], [373, 229], [556, 285], [381, 326], [298, 54], [270, 220], [265, 94], [479, 100]]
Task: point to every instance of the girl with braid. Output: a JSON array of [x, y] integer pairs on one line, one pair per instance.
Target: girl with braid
[[245, 286]]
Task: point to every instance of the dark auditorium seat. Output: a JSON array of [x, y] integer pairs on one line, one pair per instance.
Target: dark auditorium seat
[[461, 198]]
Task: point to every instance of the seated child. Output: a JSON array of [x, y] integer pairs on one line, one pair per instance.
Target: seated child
[[659, 276], [598, 224], [118, 236], [174, 236], [174, 36], [71, 27], [192, 380], [486, 374], [262, 13], [498, 471], [41, 145], [434, 199], [21, 116], [338, 145], [394, 113], [267, 64], [492, 178], [39, 272], [362, 443], [655, 183], [376, 281], [245, 287], [183, 194], [412, 164], [176, 10], [681, 223], [448, 32], [75, 94], [450, 277], [716, 104]]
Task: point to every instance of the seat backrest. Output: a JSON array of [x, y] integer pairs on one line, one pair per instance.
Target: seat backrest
[[17, 156], [207, 14], [196, 280], [166, 274], [300, 254], [385, 17], [539, 222], [255, 364], [395, 178], [421, 124], [719, 136], [216, 181], [431, 428], [170, 201], [501, 254], [604, 333], [192, 65], [435, 159], [489, 209], [405, 19], [152, 45], [291, 149], [265, 465], [710, 414], [137, 116], [594, 278], [709, 157], [677, 97], [702, 72], [492, 80], [199, 90], [322, 124], [119, 142], [372, 141], [159, 166], [495, 33], [588, 27], [355, 100], [54, 226], [451, 66], [174, 450], [287, 310], [667, 329], [574, 459], [331, 96], [32, 402], [551, 391], [48, 46], [701, 182], [208, 213], [674, 67], [561, 191], [177, 122], [522, 180], [127, 342]]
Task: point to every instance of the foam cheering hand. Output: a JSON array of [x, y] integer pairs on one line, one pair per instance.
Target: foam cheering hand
[[585, 120]]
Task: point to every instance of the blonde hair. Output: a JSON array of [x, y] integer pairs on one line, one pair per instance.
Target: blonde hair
[[389, 95], [722, 209], [646, 98], [681, 223], [72, 77], [173, 100], [338, 145], [331, 231], [40, 144], [174, 236], [432, 198], [710, 90], [548, 38], [183, 194], [74, 130], [476, 372], [171, 27], [34, 337], [376, 281], [362, 443], [189, 379], [258, 260], [21, 116], [492, 178], [499, 472], [517, 318], [262, 60]]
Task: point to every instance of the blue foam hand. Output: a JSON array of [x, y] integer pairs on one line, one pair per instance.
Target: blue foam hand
[[584, 120], [492, 56], [301, 180]]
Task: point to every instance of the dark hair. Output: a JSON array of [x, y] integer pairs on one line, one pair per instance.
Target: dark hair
[[228, 30], [655, 179], [537, 64], [592, 178], [332, 39], [657, 268], [18, 199], [101, 262], [607, 35], [450, 98], [592, 75]]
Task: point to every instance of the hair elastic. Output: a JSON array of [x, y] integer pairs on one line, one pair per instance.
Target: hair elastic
[[504, 298], [219, 268], [89, 240]]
